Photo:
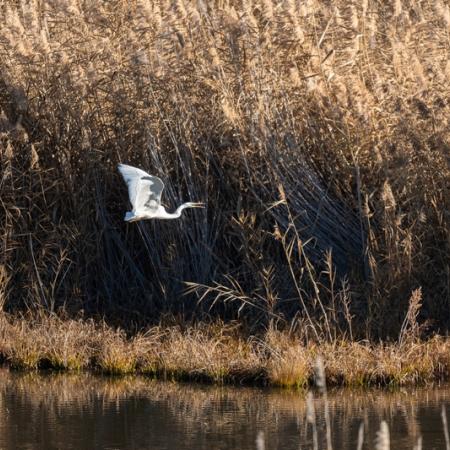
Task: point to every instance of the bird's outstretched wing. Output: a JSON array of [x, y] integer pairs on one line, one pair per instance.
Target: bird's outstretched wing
[[144, 190]]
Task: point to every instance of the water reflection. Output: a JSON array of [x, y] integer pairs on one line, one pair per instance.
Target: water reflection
[[87, 412]]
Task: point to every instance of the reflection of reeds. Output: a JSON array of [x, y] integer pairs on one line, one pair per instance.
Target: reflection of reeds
[[217, 353], [270, 410]]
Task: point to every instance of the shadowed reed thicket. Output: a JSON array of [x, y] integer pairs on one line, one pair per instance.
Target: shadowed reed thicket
[[316, 132]]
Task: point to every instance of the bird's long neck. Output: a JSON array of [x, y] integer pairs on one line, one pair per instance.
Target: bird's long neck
[[163, 214], [178, 211]]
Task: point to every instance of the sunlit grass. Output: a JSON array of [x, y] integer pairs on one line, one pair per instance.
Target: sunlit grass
[[219, 354]]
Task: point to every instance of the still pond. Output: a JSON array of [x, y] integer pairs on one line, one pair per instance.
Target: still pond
[[82, 411]]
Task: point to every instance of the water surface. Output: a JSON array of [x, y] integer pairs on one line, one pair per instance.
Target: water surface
[[87, 412]]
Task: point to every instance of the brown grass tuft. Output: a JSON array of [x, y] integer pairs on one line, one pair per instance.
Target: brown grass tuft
[[218, 353]]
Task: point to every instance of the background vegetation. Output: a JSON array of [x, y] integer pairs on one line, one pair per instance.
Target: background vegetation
[[317, 132]]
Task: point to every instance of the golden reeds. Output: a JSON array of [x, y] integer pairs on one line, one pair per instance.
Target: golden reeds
[[344, 109]]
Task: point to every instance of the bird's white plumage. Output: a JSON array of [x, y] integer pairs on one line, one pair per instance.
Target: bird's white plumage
[[144, 190]]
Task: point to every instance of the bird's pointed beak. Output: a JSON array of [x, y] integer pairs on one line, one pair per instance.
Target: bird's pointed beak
[[197, 205]]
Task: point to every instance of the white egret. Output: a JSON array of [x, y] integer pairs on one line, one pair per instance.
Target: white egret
[[145, 192]]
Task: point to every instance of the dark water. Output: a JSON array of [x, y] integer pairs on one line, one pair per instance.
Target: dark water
[[87, 412]]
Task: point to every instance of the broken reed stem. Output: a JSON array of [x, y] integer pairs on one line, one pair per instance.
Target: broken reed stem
[[260, 441], [321, 383], [360, 436], [445, 425], [311, 418], [382, 440]]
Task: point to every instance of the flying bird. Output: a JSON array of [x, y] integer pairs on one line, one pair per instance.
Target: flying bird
[[145, 192]]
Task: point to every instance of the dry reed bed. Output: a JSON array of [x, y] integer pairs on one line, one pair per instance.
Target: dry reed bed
[[216, 353], [305, 126]]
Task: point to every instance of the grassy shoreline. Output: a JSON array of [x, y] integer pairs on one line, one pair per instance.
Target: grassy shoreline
[[217, 353]]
